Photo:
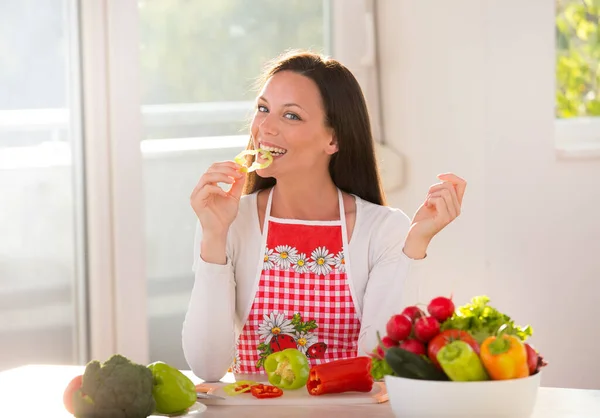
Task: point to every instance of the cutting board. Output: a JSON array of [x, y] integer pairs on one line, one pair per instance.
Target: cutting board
[[292, 397]]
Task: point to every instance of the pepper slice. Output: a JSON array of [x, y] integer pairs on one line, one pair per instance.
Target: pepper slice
[[241, 160], [346, 375], [504, 357], [287, 369], [241, 386], [261, 391]]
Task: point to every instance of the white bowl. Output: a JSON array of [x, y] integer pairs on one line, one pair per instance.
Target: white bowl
[[412, 398]]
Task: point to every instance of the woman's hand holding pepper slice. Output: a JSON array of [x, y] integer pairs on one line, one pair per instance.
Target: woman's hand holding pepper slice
[[216, 208]]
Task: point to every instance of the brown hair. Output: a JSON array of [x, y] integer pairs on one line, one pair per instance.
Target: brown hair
[[353, 168]]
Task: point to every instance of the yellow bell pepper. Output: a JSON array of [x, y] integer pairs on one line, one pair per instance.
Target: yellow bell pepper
[[504, 357]]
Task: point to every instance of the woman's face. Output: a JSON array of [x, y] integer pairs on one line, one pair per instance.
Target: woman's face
[[289, 121]]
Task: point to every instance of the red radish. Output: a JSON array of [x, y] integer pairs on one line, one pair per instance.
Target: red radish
[[413, 346], [441, 308], [387, 342], [426, 328], [532, 358], [398, 327], [413, 313]]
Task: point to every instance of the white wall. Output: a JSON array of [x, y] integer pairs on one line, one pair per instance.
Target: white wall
[[469, 88]]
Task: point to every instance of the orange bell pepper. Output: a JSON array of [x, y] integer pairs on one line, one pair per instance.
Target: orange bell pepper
[[504, 357]]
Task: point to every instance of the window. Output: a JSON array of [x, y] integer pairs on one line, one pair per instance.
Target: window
[[42, 243], [199, 58], [578, 77]]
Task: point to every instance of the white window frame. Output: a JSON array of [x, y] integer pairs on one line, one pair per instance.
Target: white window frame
[[112, 130], [112, 137], [577, 138]]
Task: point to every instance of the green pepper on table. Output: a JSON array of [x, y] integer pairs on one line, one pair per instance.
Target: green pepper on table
[[287, 369], [173, 391]]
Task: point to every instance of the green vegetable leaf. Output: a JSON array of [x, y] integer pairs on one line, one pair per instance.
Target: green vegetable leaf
[[380, 368], [482, 320]]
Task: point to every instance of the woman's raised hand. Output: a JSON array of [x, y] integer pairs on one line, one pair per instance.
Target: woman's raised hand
[[442, 205], [216, 208]]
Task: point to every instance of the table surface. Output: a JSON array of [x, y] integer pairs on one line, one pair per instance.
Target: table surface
[[36, 391]]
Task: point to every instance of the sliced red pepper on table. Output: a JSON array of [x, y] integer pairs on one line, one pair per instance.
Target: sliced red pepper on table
[[261, 391], [346, 375], [241, 386]]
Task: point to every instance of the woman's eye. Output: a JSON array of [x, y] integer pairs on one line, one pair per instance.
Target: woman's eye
[[292, 116], [262, 109]]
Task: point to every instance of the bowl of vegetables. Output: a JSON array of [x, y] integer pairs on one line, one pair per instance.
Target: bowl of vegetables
[[473, 361]]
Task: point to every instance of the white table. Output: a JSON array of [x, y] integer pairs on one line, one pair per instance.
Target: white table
[[36, 391]]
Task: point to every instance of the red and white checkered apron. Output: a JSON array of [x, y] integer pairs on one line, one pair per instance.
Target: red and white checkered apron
[[304, 298]]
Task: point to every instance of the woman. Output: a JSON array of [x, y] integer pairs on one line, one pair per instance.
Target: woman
[[303, 253]]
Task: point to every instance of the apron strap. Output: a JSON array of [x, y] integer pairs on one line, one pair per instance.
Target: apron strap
[[340, 203]]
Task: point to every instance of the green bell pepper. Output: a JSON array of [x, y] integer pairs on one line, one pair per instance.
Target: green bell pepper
[[173, 391], [287, 369], [461, 363]]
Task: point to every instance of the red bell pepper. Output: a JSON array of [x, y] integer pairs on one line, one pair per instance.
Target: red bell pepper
[[261, 391], [346, 375]]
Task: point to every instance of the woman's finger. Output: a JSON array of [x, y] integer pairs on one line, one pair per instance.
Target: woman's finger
[[447, 186], [209, 189], [237, 188], [231, 164], [454, 196], [211, 178], [435, 187], [441, 207], [458, 182], [226, 169], [445, 194]]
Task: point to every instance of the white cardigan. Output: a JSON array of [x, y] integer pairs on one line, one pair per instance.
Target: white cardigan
[[222, 294]]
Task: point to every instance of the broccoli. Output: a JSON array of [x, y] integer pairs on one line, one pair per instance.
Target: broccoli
[[118, 388]]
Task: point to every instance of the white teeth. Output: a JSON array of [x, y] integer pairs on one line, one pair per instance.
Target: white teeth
[[273, 149]]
